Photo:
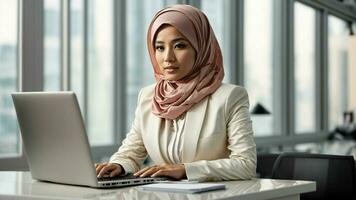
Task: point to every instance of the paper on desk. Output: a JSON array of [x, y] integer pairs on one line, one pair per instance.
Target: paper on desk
[[184, 181], [183, 187]]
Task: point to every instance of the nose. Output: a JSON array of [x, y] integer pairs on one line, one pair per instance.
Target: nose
[[169, 55]]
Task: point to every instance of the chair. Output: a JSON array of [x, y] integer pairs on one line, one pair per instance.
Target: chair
[[265, 163], [334, 175]]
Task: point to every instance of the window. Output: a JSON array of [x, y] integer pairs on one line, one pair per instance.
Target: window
[[77, 50], [9, 137], [258, 67], [100, 72], [9, 142], [139, 68], [95, 62], [352, 71], [52, 48], [216, 12], [338, 65], [304, 69]]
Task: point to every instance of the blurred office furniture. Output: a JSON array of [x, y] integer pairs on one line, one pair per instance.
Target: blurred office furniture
[[259, 109], [347, 130], [261, 119], [334, 174], [265, 162]]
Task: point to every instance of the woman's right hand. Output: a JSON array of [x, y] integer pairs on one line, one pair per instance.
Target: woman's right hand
[[108, 169]]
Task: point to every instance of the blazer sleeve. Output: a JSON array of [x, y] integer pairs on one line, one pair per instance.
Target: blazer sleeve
[[132, 152], [241, 163]]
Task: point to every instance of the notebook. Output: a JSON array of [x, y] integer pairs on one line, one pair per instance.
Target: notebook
[[183, 187], [56, 143]]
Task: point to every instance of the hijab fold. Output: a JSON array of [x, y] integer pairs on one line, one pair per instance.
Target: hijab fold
[[173, 98]]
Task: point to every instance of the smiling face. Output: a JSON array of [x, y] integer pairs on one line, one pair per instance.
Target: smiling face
[[174, 53]]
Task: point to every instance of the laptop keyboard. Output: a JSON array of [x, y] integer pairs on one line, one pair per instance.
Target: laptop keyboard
[[129, 179], [126, 177]]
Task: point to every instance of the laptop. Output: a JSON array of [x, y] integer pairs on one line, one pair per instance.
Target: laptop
[[56, 143]]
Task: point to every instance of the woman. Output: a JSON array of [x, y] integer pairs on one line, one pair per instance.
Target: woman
[[189, 123]]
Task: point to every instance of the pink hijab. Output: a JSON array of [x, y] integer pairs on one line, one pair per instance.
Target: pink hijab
[[173, 98]]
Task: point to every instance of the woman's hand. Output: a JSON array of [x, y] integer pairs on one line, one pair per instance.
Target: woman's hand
[[108, 169], [175, 171]]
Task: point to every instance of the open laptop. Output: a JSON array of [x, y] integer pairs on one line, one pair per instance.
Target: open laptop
[[56, 143]]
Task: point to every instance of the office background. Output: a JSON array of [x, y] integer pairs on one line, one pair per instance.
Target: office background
[[297, 58]]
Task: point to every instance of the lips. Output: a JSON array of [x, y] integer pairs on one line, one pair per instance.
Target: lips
[[170, 67]]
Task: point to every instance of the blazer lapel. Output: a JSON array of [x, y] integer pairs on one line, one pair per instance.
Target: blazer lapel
[[154, 127], [194, 121]]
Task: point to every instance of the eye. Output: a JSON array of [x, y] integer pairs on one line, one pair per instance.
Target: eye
[[159, 47], [180, 45]]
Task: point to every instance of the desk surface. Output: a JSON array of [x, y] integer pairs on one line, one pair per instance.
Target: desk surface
[[14, 185]]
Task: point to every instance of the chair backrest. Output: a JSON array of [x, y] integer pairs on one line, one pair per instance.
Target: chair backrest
[[265, 162], [334, 175]]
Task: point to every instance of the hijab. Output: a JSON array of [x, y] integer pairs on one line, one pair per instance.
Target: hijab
[[173, 98]]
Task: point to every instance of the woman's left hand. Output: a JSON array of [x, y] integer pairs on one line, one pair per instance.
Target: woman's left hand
[[175, 171]]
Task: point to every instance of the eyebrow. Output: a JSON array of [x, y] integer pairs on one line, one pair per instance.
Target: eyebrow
[[175, 40]]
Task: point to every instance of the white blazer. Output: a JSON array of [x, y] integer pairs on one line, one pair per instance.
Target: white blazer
[[218, 139]]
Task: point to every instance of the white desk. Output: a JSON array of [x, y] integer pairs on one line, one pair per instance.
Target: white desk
[[20, 185]]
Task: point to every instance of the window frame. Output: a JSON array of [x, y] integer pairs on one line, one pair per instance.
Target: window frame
[[30, 64]]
